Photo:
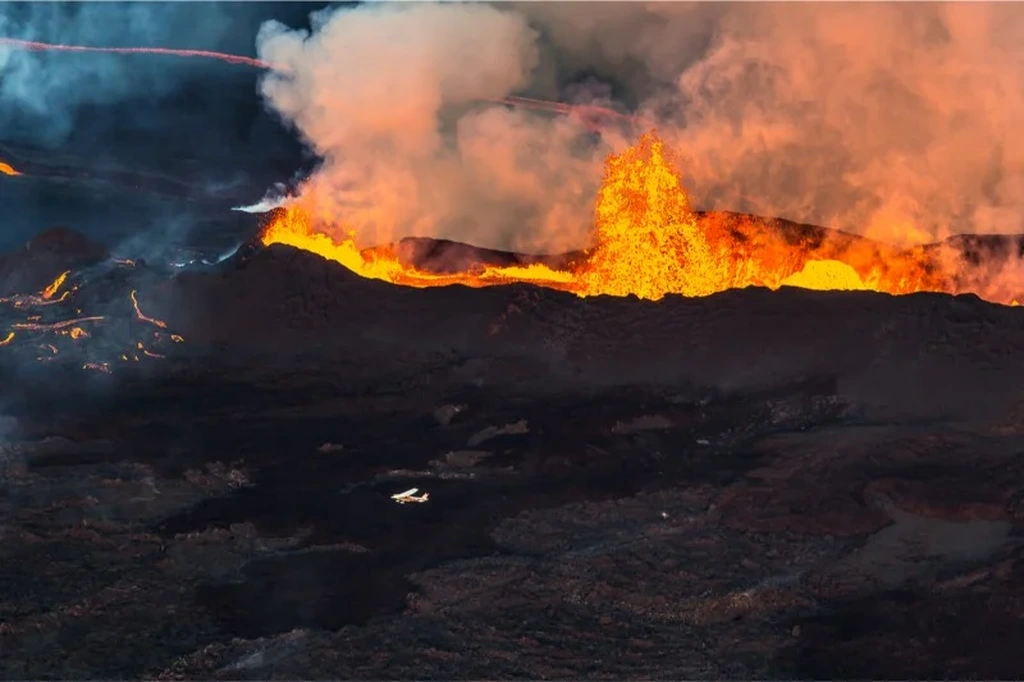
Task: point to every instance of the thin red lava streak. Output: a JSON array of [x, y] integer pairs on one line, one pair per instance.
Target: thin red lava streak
[[205, 54], [587, 112]]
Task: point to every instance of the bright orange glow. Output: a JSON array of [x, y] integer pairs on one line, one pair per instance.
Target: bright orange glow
[[826, 275], [7, 169], [295, 228], [54, 286], [144, 318], [648, 242], [7, 339]]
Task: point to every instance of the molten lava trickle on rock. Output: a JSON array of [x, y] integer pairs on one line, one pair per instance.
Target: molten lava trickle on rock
[[7, 169], [648, 242], [55, 285]]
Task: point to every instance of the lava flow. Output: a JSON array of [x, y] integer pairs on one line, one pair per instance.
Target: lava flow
[[592, 116], [7, 169], [36, 46], [52, 325], [649, 243]]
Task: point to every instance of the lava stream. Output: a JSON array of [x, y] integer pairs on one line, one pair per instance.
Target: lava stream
[[592, 116], [144, 318], [648, 242], [37, 327], [7, 169], [37, 46], [55, 286]]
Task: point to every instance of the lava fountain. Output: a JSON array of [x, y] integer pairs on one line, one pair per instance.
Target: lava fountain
[[648, 242]]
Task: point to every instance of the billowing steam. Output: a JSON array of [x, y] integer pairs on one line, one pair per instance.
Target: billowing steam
[[898, 121], [396, 100]]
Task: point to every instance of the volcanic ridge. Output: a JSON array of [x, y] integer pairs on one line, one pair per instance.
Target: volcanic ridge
[[247, 421]]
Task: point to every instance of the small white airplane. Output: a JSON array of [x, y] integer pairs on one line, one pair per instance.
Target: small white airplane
[[410, 496]]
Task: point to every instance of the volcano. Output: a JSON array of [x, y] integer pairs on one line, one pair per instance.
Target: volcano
[[667, 441], [209, 465]]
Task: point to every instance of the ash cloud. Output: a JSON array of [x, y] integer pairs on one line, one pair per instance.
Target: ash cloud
[[896, 121]]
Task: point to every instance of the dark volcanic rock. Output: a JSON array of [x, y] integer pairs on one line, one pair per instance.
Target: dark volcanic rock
[[44, 257], [917, 355], [755, 484], [444, 256]]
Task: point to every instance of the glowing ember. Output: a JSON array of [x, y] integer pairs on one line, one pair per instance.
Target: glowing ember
[[77, 333], [144, 318], [6, 169], [7, 339]]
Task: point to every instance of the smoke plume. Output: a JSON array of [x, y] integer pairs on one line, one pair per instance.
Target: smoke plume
[[398, 101], [891, 120]]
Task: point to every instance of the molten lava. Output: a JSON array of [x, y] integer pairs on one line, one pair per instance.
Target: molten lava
[[7, 169], [139, 314], [54, 286], [648, 242]]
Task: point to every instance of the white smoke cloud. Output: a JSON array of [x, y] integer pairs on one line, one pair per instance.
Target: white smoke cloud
[[398, 100], [897, 121]]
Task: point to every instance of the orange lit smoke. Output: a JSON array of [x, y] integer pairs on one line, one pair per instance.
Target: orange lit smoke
[[648, 242]]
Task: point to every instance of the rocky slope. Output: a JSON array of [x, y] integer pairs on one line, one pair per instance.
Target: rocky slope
[[755, 484]]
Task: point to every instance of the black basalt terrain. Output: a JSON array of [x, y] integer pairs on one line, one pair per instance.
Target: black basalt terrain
[[786, 484]]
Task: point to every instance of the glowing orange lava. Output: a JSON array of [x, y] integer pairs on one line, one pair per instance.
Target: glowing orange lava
[[54, 286], [144, 318], [7, 169], [648, 242], [55, 326]]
